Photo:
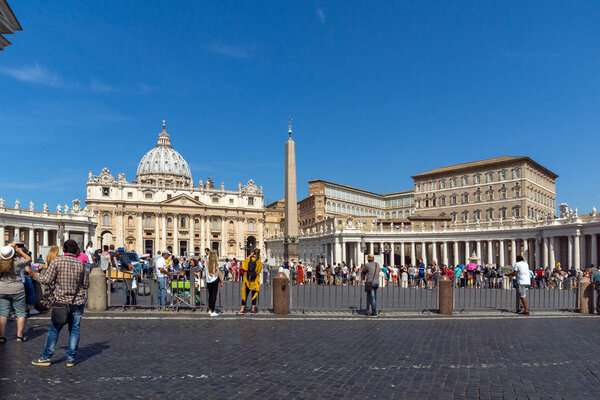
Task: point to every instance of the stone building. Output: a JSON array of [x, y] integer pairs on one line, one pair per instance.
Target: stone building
[[8, 23], [274, 218], [163, 209], [496, 189], [39, 229]]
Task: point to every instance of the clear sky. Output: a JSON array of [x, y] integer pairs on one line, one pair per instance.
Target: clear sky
[[378, 91]]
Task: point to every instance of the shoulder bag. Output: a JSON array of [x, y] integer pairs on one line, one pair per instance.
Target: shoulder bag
[[61, 311]]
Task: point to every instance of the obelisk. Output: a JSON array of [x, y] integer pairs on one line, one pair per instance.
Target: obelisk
[[290, 243]]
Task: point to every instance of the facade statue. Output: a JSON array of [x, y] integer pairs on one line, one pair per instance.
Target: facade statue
[[66, 209], [17, 203], [31, 206], [90, 176], [594, 211], [58, 208], [45, 207], [2, 202]]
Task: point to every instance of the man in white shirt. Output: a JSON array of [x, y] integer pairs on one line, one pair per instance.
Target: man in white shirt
[[521, 271], [162, 273]]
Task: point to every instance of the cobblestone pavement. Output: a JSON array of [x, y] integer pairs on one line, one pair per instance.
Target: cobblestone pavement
[[179, 357]]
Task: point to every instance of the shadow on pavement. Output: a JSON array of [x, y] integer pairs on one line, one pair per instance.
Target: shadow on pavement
[[86, 352]]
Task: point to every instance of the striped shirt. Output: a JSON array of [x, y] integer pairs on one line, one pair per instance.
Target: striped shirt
[[66, 271]]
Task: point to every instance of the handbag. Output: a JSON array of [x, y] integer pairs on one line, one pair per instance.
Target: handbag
[[61, 311], [143, 288]]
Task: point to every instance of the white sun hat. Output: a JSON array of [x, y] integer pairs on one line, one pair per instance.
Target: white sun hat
[[7, 252]]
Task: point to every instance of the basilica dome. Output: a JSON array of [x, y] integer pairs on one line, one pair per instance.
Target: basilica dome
[[163, 165]]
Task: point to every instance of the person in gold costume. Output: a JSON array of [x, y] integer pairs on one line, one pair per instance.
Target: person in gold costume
[[252, 267]]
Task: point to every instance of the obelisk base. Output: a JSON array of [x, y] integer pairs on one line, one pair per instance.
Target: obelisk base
[[291, 251]]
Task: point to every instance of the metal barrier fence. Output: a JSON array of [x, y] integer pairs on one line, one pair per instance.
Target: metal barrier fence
[[543, 299]]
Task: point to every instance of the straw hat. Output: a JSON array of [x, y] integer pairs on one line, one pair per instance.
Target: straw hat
[[370, 257]]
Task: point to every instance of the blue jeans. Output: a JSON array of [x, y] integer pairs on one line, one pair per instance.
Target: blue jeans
[[372, 298], [162, 291], [51, 339], [29, 291]]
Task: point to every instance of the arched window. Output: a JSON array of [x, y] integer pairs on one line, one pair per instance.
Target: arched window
[[169, 223], [406, 214], [251, 226], [387, 215], [130, 221], [182, 223], [148, 222], [196, 224], [394, 214], [106, 220]]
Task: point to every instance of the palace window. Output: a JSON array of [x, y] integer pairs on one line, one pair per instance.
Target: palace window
[[130, 221], [453, 199], [106, 220], [502, 213], [490, 214], [490, 195], [503, 193], [489, 177], [464, 181], [196, 224], [130, 195], [168, 196], [148, 222], [477, 179], [465, 198], [169, 223], [250, 226], [453, 182], [453, 216], [442, 201], [443, 184], [182, 223], [465, 216], [230, 201], [215, 225], [502, 175], [516, 173], [517, 212], [477, 215], [148, 196], [250, 201]]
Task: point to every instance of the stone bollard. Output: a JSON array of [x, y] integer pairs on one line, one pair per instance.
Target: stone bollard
[[445, 300], [97, 291], [585, 293], [281, 294]]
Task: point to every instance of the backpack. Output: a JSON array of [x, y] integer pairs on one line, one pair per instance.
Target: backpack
[[251, 269]]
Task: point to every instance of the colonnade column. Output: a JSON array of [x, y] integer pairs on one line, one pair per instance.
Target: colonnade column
[[577, 249], [479, 252], [445, 251], [513, 252], [240, 228], [175, 226], [2, 233], [338, 252], [392, 254], [570, 252], [32, 242], [202, 235], [434, 256], [526, 254], [545, 252], [551, 251], [120, 235], [593, 253], [413, 260], [501, 253], [424, 253], [44, 237], [17, 234], [490, 252], [456, 261], [402, 258], [343, 253], [467, 255], [157, 244], [140, 235]]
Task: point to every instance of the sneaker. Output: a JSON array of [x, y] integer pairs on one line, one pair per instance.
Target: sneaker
[[214, 314], [41, 362], [70, 363], [33, 312]]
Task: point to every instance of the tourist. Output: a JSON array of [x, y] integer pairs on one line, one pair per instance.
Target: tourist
[[309, 272], [89, 252], [81, 256], [104, 258], [404, 275], [162, 273], [71, 283], [214, 281], [48, 296], [412, 272], [371, 274], [252, 268], [300, 273], [421, 272], [128, 268], [12, 290], [521, 271]]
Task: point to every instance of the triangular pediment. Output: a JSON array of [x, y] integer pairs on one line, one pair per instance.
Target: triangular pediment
[[182, 200]]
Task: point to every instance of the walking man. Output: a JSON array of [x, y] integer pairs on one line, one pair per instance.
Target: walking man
[[70, 277], [162, 272], [521, 271]]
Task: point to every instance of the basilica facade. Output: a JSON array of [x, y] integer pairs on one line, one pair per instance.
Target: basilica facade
[[163, 209]]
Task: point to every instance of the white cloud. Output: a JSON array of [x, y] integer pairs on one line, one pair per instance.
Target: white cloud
[[321, 16], [98, 86], [34, 74], [234, 51]]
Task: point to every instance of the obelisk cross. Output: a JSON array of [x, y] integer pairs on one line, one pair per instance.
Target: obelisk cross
[[290, 126]]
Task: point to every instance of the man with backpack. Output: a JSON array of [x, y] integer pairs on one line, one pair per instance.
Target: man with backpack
[[252, 267]]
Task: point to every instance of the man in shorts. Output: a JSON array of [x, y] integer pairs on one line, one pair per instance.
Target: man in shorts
[[521, 271]]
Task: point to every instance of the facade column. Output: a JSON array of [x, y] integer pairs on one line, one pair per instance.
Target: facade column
[[223, 237], [552, 242], [192, 234], [67, 236], [261, 233], [467, 254], [445, 253], [163, 225], [402, 255], [120, 229], [338, 251], [526, 254], [513, 252], [434, 256], [501, 251], [424, 253], [44, 237], [577, 257], [202, 235], [2, 234], [32, 243], [479, 252], [175, 227], [490, 252], [392, 254], [157, 244], [593, 252], [413, 254], [569, 252], [545, 251], [17, 234], [456, 260], [140, 235], [240, 231]]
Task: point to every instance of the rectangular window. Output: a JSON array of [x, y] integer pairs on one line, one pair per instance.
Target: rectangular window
[[129, 195], [477, 179], [503, 213], [490, 214], [517, 212], [442, 201], [503, 194], [489, 177], [464, 181], [477, 215], [477, 196], [490, 195], [250, 201], [443, 184], [453, 182], [148, 196]]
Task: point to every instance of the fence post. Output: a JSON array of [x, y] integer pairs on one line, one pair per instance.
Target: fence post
[[97, 296], [445, 296], [585, 293], [281, 295]]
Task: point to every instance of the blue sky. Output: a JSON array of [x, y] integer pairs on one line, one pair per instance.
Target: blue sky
[[378, 91]]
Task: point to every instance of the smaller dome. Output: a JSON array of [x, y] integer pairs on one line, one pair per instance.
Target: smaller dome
[[164, 164]]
